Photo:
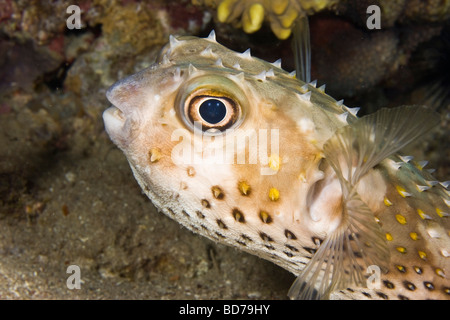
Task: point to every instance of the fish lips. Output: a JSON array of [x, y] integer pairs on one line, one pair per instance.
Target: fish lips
[[119, 118]]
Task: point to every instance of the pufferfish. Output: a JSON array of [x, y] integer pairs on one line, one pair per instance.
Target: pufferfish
[[242, 152]]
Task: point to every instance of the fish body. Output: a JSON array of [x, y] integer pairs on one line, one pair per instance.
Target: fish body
[[240, 151]]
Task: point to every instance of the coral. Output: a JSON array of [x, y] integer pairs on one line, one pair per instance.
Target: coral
[[349, 60], [281, 14], [132, 26], [356, 10], [430, 10], [21, 64]]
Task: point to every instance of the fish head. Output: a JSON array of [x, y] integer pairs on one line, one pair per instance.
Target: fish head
[[228, 144]]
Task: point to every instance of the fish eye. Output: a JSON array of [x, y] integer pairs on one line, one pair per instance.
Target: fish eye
[[212, 111], [215, 103]]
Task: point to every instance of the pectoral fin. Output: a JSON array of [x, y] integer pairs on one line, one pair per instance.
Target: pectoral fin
[[343, 257], [358, 241]]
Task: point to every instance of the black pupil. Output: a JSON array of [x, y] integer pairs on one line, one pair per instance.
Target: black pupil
[[212, 111]]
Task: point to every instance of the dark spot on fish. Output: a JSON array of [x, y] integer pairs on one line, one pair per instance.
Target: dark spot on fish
[[388, 284], [366, 294], [200, 214], [402, 297], [204, 227], [357, 254], [289, 234], [317, 241], [265, 217], [400, 268], [220, 235], [238, 216], [382, 295], [270, 247], [265, 237], [350, 290], [171, 211], [221, 224], [408, 285], [290, 255], [191, 171], [418, 270], [310, 250], [185, 213], [206, 204], [247, 238], [217, 192], [428, 285], [194, 227], [291, 247], [241, 243]]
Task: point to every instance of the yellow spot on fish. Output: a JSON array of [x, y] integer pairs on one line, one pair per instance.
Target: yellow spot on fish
[[274, 162], [413, 236], [244, 188], [402, 192], [422, 255], [274, 194], [422, 214], [440, 272], [389, 237], [302, 177], [441, 213], [421, 164], [154, 154], [401, 249], [387, 202], [401, 219]]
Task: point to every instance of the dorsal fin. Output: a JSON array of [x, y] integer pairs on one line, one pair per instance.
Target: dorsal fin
[[358, 241], [372, 138], [302, 48]]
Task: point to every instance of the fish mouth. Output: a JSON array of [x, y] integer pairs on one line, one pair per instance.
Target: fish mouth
[[114, 119]]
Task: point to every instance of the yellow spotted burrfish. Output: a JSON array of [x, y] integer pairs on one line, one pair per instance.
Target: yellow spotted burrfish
[[242, 152]]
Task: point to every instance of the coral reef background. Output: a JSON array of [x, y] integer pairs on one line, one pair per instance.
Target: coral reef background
[[67, 195]]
